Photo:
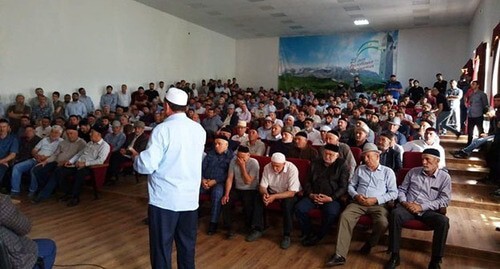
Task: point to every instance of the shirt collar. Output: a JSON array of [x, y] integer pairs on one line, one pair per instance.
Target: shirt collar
[[98, 142], [434, 175]]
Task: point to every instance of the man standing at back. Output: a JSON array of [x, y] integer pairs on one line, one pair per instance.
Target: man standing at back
[[173, 162]]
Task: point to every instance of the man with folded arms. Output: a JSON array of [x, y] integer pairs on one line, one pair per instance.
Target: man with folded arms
[[371, 187], [327, 183], [424, 191]]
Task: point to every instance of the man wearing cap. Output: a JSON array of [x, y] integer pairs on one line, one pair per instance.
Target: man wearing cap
[[241, 185], [79, 166], [430, 140], [327, 182], [285, 144], [265, 129], [280, 182], [134, 144], [255, 146], [241, 135], [302, 149], [360, 136], [173, 162], [388, 156], [214, 174], [371, 187], [42, 151], [116, 138], [230, 117], [394, 127], [42, 172], [332, 137], [424, 192]]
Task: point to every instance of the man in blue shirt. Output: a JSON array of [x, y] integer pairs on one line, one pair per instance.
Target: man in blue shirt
[[424, 191], [214, 174], [394, 87], [9, 146], [173, 162], [109, 99], [371, 187]]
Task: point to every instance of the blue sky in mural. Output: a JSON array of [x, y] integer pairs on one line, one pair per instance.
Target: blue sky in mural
[[334, 50]]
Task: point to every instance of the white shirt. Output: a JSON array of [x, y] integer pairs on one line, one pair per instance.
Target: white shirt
[[286, 180], [124, 99], [43, 132], [420, 146], [47, 147], [173, 162]]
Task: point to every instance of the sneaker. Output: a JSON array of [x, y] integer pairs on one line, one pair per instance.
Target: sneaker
[[335, 260], [253, 236], [285, 243]]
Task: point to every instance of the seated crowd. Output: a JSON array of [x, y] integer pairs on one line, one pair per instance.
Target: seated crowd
[[57, 143]]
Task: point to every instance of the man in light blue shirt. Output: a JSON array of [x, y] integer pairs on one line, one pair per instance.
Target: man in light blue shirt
[[173, 162], [371, 187], [75, 107], [87, 101], [109, 99]]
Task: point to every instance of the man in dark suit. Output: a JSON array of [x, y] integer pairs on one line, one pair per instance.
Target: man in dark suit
[[388, 157], [135, 144]]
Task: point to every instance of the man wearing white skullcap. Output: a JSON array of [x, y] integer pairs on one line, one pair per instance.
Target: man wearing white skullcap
[[280, 182], [173, 162]]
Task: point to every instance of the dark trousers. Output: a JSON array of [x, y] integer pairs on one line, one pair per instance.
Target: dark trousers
[[3, 170], [248, 199], [42, 173], [165, 226], [330, 212], [216, 193], [471, 122], [463, 117], [78, 177], [286, 204], [47, 251], [438, 222], [114, 163]]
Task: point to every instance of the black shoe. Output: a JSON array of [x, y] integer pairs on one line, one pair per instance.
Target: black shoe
[[458, 135], [365, 249], [393, 262], [461, 155], [310, 240], [212, 228], [434, 265], [64, 198], [35, 200], [73, 202], [335, 260]]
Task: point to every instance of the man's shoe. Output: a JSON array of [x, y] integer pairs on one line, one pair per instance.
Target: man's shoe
[[458, 135], [434, 265], [365, 250], [73, 202], [286, 242], [15, 195], [212, 228], [392, 263], [64, 198], [35, 200], [310, 240], [461, 155], [253, 236], [335, 260]]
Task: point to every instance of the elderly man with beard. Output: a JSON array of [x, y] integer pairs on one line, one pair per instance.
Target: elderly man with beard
[[388, 156], [327, 182], [371, 187], [214, 174], [423, 192]]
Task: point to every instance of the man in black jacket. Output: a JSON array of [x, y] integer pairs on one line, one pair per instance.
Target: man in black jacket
[[327, 183], [388, 156]]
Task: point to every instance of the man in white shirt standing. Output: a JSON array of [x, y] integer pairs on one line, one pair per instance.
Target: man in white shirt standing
[[173, 162], [124, 98]]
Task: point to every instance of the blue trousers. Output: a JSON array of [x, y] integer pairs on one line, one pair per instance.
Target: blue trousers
[[478, 142], [330, 212], [17, 172], [47, 250], [216, 193], [165, 226]]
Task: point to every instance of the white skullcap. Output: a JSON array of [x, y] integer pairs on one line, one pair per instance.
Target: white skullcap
[[278, 158], [325, 128], [177, 96]]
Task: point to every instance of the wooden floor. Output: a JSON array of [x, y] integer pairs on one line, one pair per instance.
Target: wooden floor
[[108, 232]]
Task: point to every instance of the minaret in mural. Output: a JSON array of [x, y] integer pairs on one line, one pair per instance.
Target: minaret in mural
[[387, 48]]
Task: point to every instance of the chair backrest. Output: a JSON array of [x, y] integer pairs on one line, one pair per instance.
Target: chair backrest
[[303, 166], [356, 152], [400, 176], [412, 159], [263, 160], [4, 256]]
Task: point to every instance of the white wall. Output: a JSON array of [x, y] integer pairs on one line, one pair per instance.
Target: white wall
[[257, 62], [63, 45], [424, 52], [485, 19]]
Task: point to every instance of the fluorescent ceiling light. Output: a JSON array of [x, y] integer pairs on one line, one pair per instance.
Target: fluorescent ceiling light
[[361, 22]]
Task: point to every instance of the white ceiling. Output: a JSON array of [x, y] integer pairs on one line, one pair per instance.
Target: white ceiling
[[268, 18]]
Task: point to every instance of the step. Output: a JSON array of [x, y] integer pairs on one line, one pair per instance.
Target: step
[[467, 169], [475, 159]]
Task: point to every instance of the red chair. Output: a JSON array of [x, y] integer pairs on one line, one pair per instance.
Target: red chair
[[98, 175], [356, 152], [412, 159]]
